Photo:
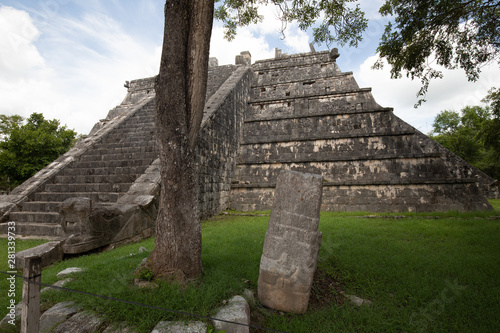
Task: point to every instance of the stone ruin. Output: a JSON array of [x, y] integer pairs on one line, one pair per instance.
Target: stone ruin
[[295, 112]]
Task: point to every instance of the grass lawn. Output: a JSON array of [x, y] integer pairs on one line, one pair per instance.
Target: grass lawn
[[422, 273]]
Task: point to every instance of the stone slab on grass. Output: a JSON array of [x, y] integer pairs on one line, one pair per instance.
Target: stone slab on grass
[[68, 271], [180, 327], [119, 328], [60, 283], [237, 310], [56, 315], [14, 314], [82, 322]]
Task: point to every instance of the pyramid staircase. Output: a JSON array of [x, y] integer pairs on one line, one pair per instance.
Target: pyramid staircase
[[118, 161], [103, 174], [306, 115]]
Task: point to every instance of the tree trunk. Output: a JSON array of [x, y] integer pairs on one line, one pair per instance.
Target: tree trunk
[[180, 98]]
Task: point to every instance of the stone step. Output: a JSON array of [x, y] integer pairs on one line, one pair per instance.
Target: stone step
[[145, 126], [323, 127], [122, 150], [112, 145], [91, 179], [35, 229], [363, 183], [137, 120], [292, 61], [40, 206], [94, 196], [377, 147], [353, 102], [302, 89], [145, 131], [111, 164], [120, 156], [34, 217], [125, 136], [354, 171], [86, 187], [137, 170], [269, 76]]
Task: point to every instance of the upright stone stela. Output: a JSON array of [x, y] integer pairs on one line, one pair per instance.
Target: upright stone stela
[[292, 243]]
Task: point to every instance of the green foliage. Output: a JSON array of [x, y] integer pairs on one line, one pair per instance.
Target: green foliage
[[468, 135], [341, 23], [8, 123], [491, 129], [26, 149], [456, 33], [144, 273]]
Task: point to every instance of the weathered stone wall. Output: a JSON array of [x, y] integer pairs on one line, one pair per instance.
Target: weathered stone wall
[[410, 197], [219, 141]]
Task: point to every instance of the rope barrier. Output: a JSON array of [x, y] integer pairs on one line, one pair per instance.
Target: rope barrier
[[142, 305]]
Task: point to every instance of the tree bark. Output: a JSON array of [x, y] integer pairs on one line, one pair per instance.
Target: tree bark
[[180, 98]]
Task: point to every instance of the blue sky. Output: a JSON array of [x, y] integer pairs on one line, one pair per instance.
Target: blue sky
[[69, 59]]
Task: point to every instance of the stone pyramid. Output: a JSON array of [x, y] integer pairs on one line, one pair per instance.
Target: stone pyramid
[[306, 115], [296, 112]]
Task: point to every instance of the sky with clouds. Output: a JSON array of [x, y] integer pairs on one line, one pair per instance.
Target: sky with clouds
[[69, 59]]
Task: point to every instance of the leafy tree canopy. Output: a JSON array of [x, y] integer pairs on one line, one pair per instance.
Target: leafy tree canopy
[[491, 129], [473, 134], [341, 22], [454, 33], [27, 148]]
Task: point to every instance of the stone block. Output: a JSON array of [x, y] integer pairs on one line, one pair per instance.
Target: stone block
[[81, 322], [68, 271], [56, 315], [119, 328], [237, 310], [13, 315], [180, 327], [292, 243], [60, 283], [50, 252]]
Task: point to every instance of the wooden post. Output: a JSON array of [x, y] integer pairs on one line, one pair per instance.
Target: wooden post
[[32, 276]]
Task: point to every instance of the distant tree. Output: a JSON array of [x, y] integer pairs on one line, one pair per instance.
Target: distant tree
[[491, 129], [26, 149], [454, 33], [8, 123], [466, 134], [180, 96]]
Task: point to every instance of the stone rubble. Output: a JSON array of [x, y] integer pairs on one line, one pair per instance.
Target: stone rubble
[[68, 271], [180, 327], [236, 310]]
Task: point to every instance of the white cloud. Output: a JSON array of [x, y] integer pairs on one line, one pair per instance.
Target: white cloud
[[81, 74], [24, 77], [245, 40], [256, 38], [17, 53], [296, 40], [453, 92]]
